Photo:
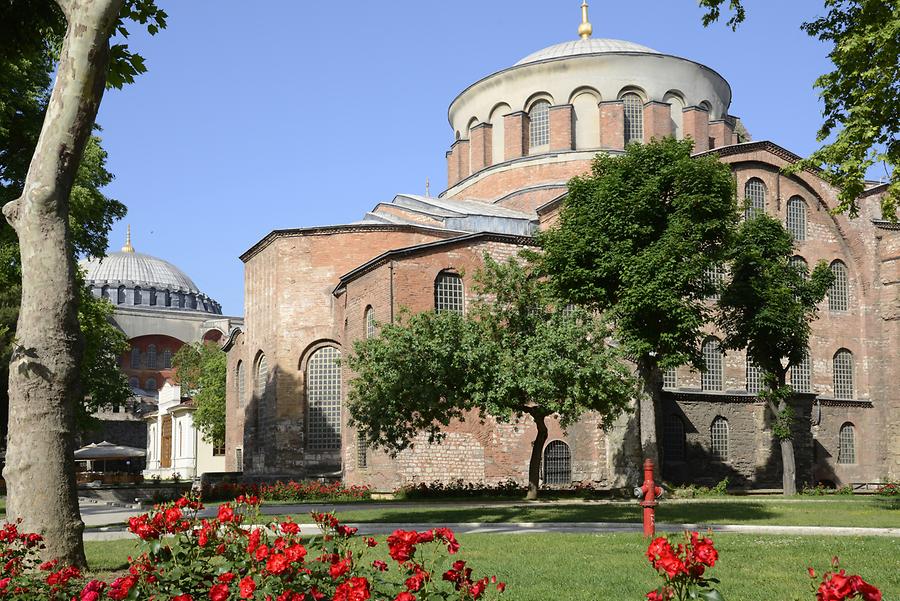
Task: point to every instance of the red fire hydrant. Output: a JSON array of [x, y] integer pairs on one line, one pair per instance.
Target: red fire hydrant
[[649, 492]]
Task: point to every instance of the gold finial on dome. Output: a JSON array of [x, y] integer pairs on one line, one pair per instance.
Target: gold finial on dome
[[585, 29], [128, 248]]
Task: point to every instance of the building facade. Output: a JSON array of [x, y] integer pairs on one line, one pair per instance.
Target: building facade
[[519, 135]]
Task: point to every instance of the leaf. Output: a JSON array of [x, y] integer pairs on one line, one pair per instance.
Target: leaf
[[711, 595]]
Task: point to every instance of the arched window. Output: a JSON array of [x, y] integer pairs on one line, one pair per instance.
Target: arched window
[[796, 218], [135, 358], [262, 376], [151, 356], [676, 110], [192, 301], [150, 385], [634, 117], [585, 106], [718, 434], [178, 300], [557, 463], [715, 277], [134, 382], [801, 375], [754, 378], [120, 296], [104, 292], [847, 444], [673, 439], [843, 374], [539, 124], [138, 296], [800, 264], [448, 292], [670, 378], [166, 359], [711, 377], [323, 399], [370, 322], [241, 384], [153, 297], [498, 137], [167, 298], [754, 198], [362, 450], [839, 293]]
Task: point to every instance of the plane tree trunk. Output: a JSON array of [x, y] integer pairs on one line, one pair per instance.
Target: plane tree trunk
[[537, 451], [43, 378]]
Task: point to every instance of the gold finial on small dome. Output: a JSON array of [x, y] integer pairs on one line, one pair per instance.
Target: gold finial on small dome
[[128, 248], [585, 29]]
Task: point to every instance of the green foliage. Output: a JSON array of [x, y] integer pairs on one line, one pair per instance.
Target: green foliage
[[634, 240], [514, 352], [104, 344], [714, 11], [694, 491], [200, 370]]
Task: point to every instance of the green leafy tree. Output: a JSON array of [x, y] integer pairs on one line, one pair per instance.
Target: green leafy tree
[[635, 240], [200, 370], [861, 95], [514, 353], [767, 307]]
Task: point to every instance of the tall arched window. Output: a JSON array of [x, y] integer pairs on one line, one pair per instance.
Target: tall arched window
[[153, 297], [676, 111], [847, 444], [839, 293], [262, 376], [370, 322], [362, 450], [135, 358], [754, 198], [796, 218], [843, 374], [151, 356], [448, 292], [754, 379], [634, 117], [498, 133], [718, 438], [711, 377], [539, 124], [166, 359], [800, 264], [323, 399], [104, 292], [587, 120], [673, 439], [120, 295], [557, 463], [241, 384], [138, 296], [715, 277], [801, 375]]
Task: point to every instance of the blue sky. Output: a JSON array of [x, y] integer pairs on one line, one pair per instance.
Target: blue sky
[[263, 115]]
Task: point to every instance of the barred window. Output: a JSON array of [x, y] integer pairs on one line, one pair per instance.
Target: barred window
[[323, 399], [151, 356], [362, 450], [796, 218], [839, 293], [754, 198], [135, 358], [673, 439], [166, 359], [448, 292], [241, 384], [239, 459], [800, 264], [719, 438], [634, 117], [847, 444], [138, 297], [754, 378], [715, 277], [843, 374], [670, 378], [711, 377], [370, 322], [539, 124], [801, 375], [262, 376], [557, 463]]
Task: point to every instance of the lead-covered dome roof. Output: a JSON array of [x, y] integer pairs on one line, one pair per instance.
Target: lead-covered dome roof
[[585, 46], [139, 269]]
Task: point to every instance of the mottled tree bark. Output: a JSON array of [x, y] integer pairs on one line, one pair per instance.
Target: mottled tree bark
[[649, 404], [537, 451], [788, 461], [43, 376]]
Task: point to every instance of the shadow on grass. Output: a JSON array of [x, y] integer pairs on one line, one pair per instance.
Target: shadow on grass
[[888, 503]]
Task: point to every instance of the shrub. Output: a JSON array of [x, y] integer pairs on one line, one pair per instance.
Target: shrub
[[297, 492], [692, 491], [837, 585], [889, 489]]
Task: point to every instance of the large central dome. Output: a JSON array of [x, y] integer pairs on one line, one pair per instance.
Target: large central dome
[[585, 46], [140, 269]]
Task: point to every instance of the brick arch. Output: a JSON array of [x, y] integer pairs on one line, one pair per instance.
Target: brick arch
[[537, 97], [311, 348]]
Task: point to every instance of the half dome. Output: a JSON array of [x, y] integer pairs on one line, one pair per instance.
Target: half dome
[[585, 46]]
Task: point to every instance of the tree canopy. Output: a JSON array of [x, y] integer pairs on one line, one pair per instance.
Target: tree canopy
[[861, 126], [515, 351], [200, 370]]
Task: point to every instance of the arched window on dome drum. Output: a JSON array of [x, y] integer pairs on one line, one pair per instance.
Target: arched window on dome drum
[[166, 359], [448, 292], [800, 375], [718, 434], [839, 293], [754, 198], [370, 322], [796, 218], [843, 374], [138, 296], [847, 444], [634, 117], [711, 377], [539, 124], [673, 439], [153, 297], [676, 112], [192, 301], [241, 384], [178, 300], [151, 356], [557, 464], [167, 298], [104, 292], [135, 358], [323, 400], [120, 296]]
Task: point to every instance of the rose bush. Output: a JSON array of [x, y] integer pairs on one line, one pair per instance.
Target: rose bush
[[837, 585], [223, 559], [683, 567]]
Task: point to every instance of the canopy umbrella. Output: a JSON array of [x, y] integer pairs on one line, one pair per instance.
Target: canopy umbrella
[[107, 451]]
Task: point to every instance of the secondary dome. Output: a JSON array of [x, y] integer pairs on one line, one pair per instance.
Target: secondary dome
[[137, 268], [585, 46]]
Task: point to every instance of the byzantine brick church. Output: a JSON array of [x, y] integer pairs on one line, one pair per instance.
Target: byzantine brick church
[[519, 135]]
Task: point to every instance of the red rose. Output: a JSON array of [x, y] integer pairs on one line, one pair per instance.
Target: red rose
[[277, 564], [219, 592], [339, 568], [247, 586], [379, 565], [182, 598], [405, 596], [290, 528], [261, 553], [226, 577], [226, 513], [501, 586]]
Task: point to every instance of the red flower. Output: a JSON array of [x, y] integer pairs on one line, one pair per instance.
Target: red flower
[[226, 513], [277, 564], [339, 568], [501, 586], [182, 598], [261, 553], [405, 596], [227, 577], [247, 586], [354, 589], [92, 590], [218, 592], [379, 565], [666, 594], [290, 528]]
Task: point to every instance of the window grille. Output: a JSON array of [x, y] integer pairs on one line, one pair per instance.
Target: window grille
[[262, 376], [754, 198], [167, 359], [839, 293], [634, 118], [539, 128], [448, 293], [219, 449], [323, 399], [715, 277], [801, 375], [711, 377], [796, 218], [239, 459], [843, 374], [370, 322], [135, 358], [847, 444], [151, 356], [362, 450], [670, 378], [673, 439], [241, 384], [800, 264], [150, 386], [754, 379], [557, 463], [719, 439], [138, 296]]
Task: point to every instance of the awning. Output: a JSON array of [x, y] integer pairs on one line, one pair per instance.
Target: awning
[[108, 451]]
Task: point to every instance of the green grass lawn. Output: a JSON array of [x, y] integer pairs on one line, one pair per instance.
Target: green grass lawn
[[851, 511], [588, 567]]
